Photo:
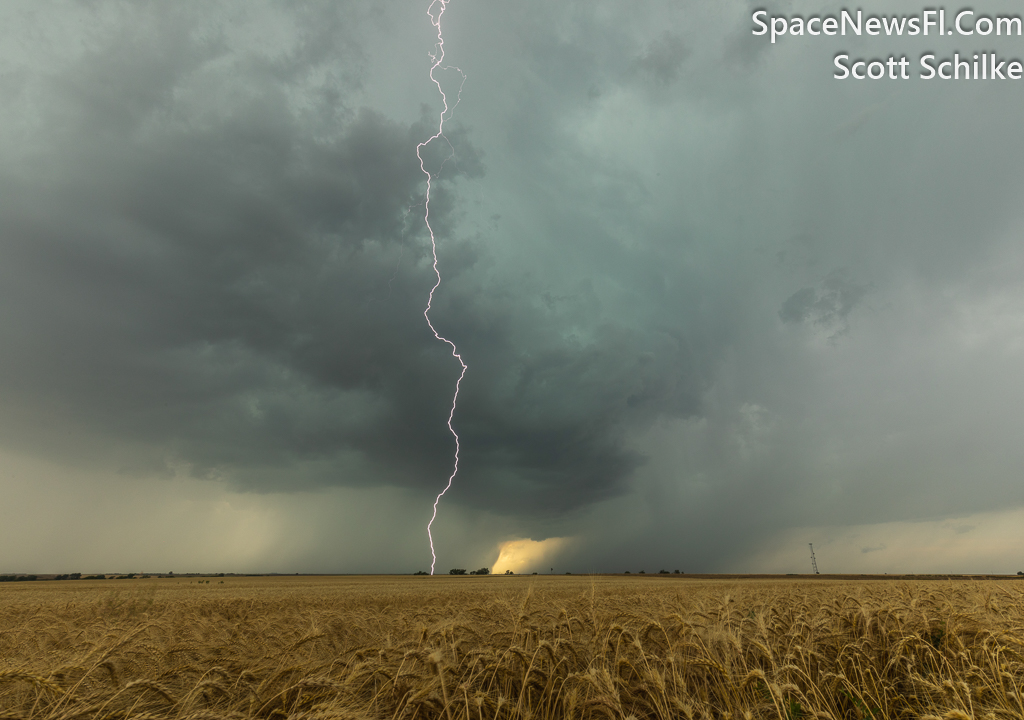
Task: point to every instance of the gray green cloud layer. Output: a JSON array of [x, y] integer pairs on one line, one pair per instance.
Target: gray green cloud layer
[[707, 293]]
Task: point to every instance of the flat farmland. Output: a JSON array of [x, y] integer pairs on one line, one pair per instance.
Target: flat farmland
[[512, 647]]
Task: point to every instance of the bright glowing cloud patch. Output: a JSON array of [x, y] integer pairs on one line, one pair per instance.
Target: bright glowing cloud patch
[[525, 555]]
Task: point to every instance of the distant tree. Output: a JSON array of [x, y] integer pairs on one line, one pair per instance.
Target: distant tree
[[457, 571], [676, 572], [642, 572], [509, 572], [627, 572], [481, 571], [663, 572], [421, 572], [1020, 572]]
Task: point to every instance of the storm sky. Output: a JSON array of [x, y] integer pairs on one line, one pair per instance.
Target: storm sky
[[715, 303]]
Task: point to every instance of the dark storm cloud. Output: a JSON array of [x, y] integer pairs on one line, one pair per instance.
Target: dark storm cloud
[[828, 306], [830, 238], [706, 292], [203, 270], [224, 278]]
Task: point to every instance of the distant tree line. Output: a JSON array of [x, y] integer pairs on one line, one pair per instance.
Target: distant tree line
[[73, 576]]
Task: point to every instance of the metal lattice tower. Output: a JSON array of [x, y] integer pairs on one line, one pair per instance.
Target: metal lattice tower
[[814, 563]]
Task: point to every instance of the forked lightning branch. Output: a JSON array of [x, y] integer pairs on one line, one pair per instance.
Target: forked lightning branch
[[435, 11]]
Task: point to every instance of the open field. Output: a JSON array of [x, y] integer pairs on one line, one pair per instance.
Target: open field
[[512, 647]]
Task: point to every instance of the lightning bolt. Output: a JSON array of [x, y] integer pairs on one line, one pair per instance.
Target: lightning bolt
[[437, 57]]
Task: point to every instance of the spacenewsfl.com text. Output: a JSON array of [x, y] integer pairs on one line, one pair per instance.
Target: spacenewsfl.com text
[[984, 64]]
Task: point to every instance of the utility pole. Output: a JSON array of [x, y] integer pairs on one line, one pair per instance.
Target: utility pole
[[814, 563]]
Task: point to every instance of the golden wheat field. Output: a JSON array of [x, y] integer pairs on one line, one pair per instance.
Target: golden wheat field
[[511, 647]]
